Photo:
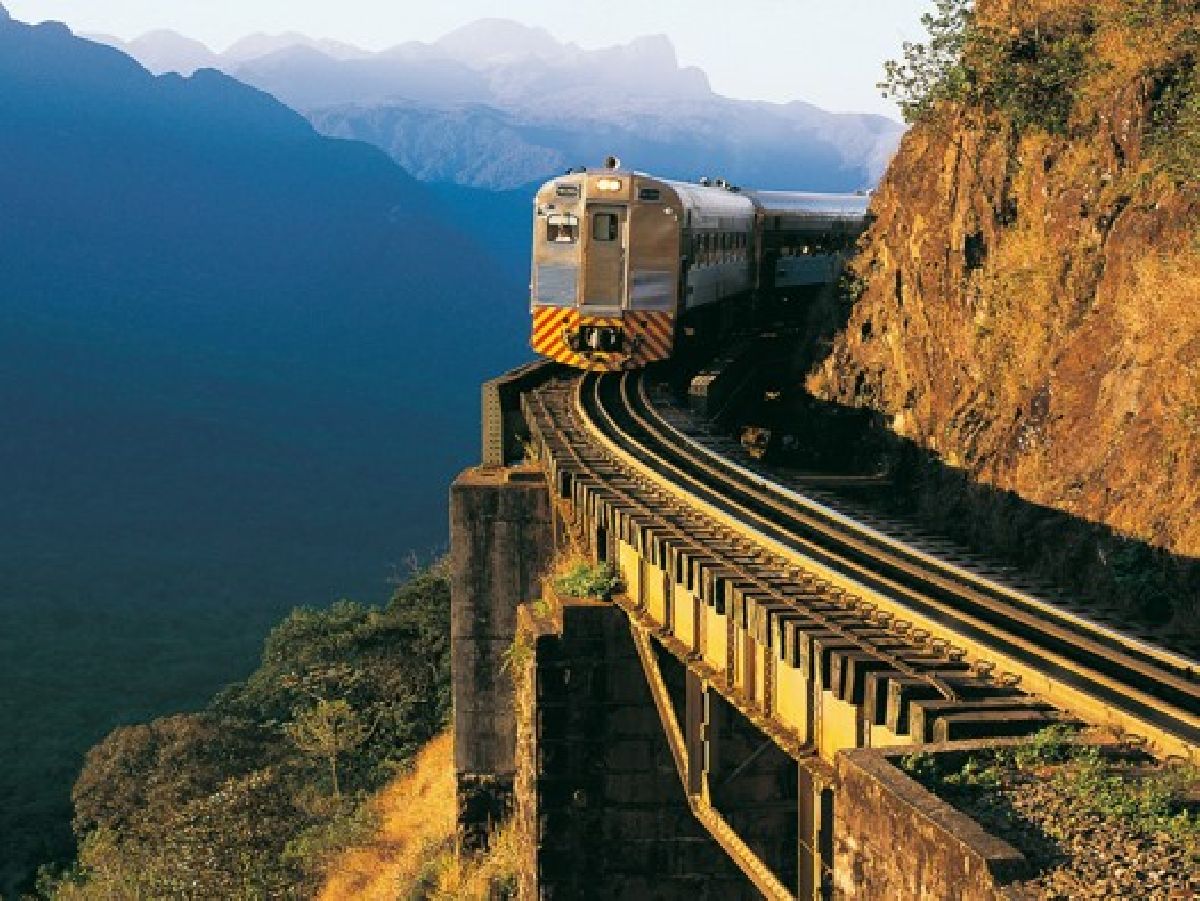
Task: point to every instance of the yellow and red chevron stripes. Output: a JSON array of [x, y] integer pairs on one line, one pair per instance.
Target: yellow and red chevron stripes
[[649, 337]]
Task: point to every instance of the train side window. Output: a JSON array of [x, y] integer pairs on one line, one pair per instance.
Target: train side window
[[562, 228], [604, 227]]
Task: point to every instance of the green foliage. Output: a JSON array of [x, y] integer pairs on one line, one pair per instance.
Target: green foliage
[[852, 285], [1142, 581], [1047, 746], [977, 773], [1031, 75], [328, 729], [516, 656], [310, 851], [933, 71], [921, 765], [585, 580], [247, 798], [1175, 128], [1148, 805], [1152, 803]]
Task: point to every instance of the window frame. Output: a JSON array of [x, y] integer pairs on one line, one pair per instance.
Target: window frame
[[566, 220], [614, 230]]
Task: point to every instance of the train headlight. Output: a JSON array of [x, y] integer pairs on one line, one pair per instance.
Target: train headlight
[[608, 184]]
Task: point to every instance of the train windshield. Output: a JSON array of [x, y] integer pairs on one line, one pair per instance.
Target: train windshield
[[562, 228]]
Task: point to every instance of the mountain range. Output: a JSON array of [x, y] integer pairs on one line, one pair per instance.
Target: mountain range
[[498, 105], [241, 364]]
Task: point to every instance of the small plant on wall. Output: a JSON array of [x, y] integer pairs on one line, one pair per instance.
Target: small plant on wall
[[587, 580]]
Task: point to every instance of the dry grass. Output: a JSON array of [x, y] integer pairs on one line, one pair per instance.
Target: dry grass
[[489, 877], [415, 856]]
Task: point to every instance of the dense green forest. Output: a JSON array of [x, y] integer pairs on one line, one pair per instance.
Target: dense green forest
[[249, 797]]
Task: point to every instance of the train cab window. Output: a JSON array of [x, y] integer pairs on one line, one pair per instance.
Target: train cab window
[[649, 194], [562, 228], [604, 227]]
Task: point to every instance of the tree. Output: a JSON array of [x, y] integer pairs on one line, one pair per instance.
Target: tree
[[220, 804], [329, 729], [139, 777], [933, 71], [1029, 70]]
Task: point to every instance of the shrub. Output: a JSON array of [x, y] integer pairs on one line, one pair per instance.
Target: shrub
[[934, 71], [1030, 75], [1049, 745], [585, 580], [1175, 128]]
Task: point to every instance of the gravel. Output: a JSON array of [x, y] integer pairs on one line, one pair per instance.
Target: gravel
[[1076, 852]]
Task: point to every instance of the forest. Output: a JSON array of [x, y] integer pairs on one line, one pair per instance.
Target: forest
[[250, 797]]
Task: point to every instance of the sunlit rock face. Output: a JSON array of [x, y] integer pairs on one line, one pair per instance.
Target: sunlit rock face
[[1030, 301]]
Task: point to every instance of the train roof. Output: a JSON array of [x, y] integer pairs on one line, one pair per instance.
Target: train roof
[[808, 204], [711, 201], [718, 203]]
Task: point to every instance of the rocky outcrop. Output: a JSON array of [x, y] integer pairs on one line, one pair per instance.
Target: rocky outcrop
[[1028, 302]]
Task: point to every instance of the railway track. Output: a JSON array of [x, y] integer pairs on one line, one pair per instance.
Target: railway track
[[798, 567]]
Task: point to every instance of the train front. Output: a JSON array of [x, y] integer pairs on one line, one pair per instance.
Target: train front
[[605, 281]]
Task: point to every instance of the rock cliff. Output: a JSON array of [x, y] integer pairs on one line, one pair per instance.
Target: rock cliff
[[1027, 301]]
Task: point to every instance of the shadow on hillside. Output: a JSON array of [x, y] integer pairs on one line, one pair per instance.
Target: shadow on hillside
[[1088, 561], [1142, 583]]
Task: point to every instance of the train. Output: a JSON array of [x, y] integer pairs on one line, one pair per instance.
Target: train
[[628, 268]]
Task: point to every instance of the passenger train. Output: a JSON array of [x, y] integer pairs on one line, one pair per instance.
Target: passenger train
[[626, 266]]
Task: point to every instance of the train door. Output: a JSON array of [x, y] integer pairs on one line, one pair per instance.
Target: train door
[[604, 268]]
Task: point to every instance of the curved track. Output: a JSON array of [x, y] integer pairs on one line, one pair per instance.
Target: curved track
[[1054, 653]]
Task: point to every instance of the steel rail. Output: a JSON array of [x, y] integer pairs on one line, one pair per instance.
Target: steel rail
[[670, 443], [590, 405], [1182, 670], [1156, 681]]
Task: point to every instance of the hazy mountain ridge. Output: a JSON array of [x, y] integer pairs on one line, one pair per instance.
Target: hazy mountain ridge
[[229, 344], [498, 105]]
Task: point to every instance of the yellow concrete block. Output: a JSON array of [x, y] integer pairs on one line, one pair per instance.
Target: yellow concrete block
[[716, 641], [758, 690], [631, 570], [883, 737], [739, 659], [683, 615], [839, 726], [652, 593], [792, 692]]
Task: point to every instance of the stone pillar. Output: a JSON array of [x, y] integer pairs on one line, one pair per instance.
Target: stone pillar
[[602, 805], [501, 544]]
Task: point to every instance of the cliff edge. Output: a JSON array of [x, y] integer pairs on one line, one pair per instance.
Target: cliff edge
[[1028, 297]]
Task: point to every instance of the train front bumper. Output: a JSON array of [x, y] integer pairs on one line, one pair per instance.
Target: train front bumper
[[603, 344]]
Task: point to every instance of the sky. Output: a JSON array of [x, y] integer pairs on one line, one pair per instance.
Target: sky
[[827, 53]]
